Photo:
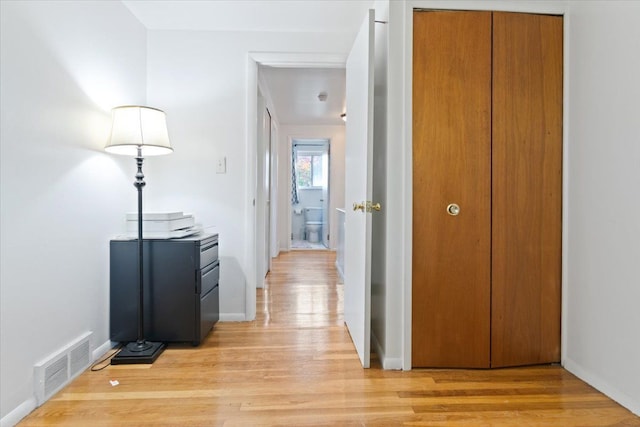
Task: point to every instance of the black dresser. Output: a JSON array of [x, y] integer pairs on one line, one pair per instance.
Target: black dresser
[[181, 292]]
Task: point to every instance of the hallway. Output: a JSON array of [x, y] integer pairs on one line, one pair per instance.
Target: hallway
[[295, 365], [302, 291]]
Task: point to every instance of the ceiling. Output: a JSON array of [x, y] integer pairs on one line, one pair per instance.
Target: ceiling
[[295, 94], [294, 91], [344, 16]]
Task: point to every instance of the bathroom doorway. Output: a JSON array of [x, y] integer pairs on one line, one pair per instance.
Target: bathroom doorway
[[310, 194]]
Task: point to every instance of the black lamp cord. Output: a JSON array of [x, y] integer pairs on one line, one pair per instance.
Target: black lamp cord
[[95, 367]]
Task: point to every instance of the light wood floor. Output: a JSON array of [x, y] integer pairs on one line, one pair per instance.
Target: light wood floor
[[295, 365]]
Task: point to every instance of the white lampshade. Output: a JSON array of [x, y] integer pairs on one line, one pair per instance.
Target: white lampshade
[[134, 127]]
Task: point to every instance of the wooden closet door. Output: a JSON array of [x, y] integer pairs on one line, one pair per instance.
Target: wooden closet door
[[527, 189], [451, 164]]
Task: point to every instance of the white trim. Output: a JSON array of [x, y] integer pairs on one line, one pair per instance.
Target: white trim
[[339, 270], [543, 7], [529, 6], [287, 247], [251, 187], [300, 60], [407, 187], [603, 386], [565, 192], [268, 99], [21, 411], [232, 317], [26, 407], [386, 362], [102, 350]]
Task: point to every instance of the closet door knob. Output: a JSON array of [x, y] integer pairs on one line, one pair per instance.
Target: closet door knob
[[453, 209]]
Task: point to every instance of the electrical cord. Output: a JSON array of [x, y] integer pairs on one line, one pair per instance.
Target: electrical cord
[[94, 367]]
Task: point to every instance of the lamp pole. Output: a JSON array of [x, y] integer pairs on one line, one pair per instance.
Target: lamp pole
[[141, 344]]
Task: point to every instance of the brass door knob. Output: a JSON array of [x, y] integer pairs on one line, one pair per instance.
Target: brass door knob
[[453, 209], [359, 206], [373, 206]]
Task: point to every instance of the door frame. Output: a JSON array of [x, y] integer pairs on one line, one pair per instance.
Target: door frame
[[290, 141], [263, 189], [403, 37], [253, 253]]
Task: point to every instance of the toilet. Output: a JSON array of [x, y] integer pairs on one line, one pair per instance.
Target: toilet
[[313, 224]]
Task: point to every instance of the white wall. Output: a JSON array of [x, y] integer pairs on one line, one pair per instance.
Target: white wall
[[63, 67], [200, 79], [602, 341], [336, 136]]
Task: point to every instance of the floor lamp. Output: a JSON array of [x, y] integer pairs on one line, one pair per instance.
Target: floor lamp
[[139, 131]]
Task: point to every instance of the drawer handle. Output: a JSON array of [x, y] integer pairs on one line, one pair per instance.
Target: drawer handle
[[206, 248], [209, 268]]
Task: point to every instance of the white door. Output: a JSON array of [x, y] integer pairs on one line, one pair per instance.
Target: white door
[[358, 189]]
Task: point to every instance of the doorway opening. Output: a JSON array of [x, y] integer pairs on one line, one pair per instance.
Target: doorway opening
[[310, 194], [282, 80]]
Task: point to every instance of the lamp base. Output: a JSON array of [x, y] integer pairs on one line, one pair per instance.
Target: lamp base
[[134, 352]]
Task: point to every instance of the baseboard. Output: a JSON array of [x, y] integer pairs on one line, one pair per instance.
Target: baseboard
[[340, 272], [15, 416], [602, 386], [232, 317], [102, 350], [277, 250], [386, 362]]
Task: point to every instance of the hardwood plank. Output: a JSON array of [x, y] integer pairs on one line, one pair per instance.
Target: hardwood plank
[[280, 371]]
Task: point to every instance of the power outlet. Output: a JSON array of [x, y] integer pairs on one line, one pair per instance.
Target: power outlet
[[221, 165]]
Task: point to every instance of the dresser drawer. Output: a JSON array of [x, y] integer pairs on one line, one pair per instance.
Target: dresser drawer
[[208, 253], [210, 278], [209, 312]]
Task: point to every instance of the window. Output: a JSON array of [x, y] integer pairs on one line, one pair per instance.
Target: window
[[309, 171]]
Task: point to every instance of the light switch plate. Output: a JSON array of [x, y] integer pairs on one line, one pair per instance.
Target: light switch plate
[[221, 165]]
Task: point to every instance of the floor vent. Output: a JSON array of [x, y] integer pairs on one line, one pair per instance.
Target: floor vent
[[59, 369]]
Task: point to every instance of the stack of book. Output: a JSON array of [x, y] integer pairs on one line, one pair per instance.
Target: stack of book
[[162, 225]]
